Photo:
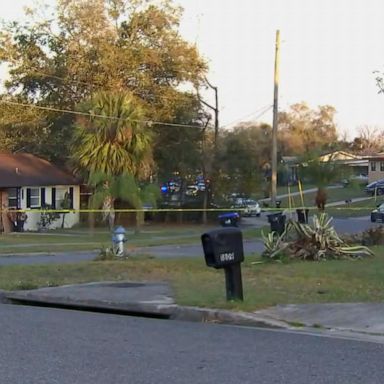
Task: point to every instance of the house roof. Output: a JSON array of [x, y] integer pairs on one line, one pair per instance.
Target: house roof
[[378, 156], [24, 169], [339, 156]]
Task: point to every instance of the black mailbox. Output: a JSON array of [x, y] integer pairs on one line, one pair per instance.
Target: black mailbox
[[223, 248]]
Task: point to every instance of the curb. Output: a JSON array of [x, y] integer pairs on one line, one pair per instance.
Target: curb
[[209, 315], [170, 311]]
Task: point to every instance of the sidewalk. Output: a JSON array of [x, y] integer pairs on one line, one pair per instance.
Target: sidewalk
[[363, 321], [311, 190]]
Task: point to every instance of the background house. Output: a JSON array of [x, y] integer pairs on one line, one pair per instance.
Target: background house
[[31, 183], [376, 167], [353, 164]]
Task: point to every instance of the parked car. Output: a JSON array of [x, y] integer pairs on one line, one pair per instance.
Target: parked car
[[359, 179], [375, 187], [252, 208], [378, 213], [247, 207], [192, 190]]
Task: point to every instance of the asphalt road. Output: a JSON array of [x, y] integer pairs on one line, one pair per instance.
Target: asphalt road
[[345, 225], [55, 346]]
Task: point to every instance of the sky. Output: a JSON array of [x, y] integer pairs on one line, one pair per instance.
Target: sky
[[328, 54]]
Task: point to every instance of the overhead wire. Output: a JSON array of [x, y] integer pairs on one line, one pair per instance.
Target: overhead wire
[[261, 111], [52, 109], [149, 122]]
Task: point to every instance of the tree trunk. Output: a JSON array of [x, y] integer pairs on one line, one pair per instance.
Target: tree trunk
[[205, 204], [63, 221], [108, 211], [91, 221], [321, 198], [139, 221]]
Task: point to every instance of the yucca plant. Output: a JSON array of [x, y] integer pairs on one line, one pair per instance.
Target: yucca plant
[[274, 245], [318, 241]]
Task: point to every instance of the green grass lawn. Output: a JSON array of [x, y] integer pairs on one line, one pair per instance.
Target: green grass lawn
[[282, 190], [333, 194], [355, 209], [265, 284]]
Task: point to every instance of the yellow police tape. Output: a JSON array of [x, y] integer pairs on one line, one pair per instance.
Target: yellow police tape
[[266, 209]]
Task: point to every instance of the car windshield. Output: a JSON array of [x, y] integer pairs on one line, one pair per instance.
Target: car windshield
[[375, 183], [380, 207]]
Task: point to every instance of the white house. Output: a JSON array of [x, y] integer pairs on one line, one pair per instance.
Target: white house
[[30, 183]]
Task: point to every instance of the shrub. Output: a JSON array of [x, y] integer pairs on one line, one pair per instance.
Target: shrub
[[373, 236], [109, 254]]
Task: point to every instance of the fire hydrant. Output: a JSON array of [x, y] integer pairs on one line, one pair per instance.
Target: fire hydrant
[[118, 240]]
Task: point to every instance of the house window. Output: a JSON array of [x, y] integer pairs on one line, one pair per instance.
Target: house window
[[35, 197], [12, 198], [61, 198], [381, 166], [373, 166]]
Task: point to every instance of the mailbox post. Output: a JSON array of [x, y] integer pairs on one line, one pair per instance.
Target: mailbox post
[[223, 249]]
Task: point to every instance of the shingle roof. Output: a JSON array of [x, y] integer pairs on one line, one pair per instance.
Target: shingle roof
[[24, 169]]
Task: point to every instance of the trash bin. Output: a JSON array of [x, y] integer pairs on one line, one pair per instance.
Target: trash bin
[[21, 217], [229, 219], [277, 222], [302, 215]]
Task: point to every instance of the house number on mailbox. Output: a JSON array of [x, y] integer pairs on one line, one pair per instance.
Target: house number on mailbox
[[227, 256]]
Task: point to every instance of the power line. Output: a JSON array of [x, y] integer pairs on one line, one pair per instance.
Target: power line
[[52, 109], [149, 122], [261, 112]]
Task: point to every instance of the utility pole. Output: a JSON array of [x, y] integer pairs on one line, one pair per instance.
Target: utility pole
[[215, 109], [214, 171], [275, 120]]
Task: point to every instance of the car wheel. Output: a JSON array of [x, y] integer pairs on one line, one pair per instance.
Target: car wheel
[[257, 214], [380, 191]]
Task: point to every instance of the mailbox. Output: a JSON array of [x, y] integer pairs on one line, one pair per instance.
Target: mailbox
[[223, 248]]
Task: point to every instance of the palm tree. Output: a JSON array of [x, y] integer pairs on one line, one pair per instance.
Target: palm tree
[[123, 188], [322, 173], [112, 141]]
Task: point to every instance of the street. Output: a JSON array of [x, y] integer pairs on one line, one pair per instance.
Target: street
[[55, 346]]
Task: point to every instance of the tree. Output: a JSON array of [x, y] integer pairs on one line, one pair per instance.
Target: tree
[[177, 149], [123, 188], [22, 129], [99, 45], [379, 80], [242, 154], [321, 173], [302, 129], [369, 141], [113, 141]]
